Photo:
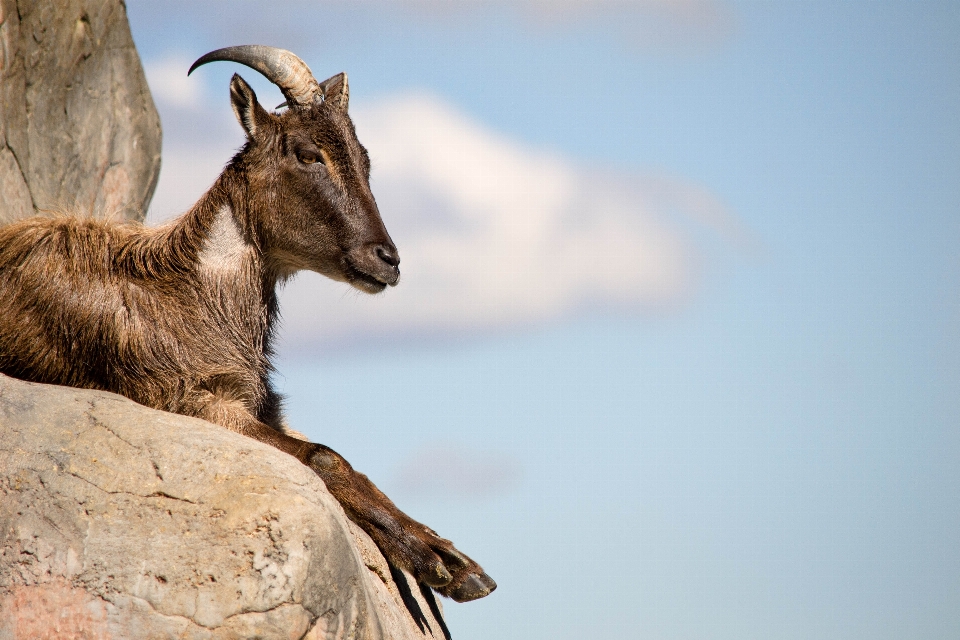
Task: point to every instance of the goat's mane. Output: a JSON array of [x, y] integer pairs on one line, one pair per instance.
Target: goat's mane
[[110, 244]]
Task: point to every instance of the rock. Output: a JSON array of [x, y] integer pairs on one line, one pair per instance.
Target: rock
[[78, 127], [118, 521]]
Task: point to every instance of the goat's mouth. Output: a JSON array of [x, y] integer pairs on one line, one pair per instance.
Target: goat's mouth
[[364, 281]]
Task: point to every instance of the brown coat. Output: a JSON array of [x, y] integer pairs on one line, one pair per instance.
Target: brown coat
[[181, 317]]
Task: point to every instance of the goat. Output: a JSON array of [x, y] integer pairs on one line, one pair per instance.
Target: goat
[[181, 317]]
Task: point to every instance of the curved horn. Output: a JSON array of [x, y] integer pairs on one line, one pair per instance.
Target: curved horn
[[279, 66]]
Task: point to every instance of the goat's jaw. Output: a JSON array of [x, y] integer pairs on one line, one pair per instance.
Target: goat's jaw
[[369, 283], [285, 265]]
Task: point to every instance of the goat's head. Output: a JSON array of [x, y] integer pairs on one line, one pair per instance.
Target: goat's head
[[308, 175]]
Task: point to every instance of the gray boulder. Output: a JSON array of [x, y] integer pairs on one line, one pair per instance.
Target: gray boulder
[[78, 127], [118, 521]]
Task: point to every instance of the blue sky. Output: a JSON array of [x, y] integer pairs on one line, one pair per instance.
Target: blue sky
[[730, 409]]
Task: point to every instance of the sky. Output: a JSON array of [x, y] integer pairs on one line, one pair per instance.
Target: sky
[[676, 349]]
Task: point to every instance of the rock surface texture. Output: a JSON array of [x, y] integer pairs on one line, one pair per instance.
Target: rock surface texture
[[118, 521], [78, 127]]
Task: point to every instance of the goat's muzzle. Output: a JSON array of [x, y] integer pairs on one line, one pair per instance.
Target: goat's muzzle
[[374, 266]]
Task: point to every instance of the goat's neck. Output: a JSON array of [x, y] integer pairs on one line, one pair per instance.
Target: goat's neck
[[215, 238], [229, 265]]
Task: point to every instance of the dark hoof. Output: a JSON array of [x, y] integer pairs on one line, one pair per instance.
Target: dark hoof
[[473, 587], [437, 577]]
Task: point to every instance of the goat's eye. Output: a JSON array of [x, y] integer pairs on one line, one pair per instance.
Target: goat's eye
[[307, 157]]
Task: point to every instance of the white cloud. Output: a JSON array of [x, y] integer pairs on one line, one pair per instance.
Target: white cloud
[[185, 174], [169, 83], [492, 233]]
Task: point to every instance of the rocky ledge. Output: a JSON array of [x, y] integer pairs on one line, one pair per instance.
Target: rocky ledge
[[118, 521]]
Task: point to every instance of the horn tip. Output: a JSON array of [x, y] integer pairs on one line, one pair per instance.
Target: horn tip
[[196, 64]]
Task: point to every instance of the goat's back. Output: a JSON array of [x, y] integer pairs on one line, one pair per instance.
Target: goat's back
[[81, 308]]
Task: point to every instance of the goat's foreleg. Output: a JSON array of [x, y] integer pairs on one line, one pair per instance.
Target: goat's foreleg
[[404, 542]]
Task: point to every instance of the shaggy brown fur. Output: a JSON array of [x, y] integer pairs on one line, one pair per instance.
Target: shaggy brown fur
[[180, 317]]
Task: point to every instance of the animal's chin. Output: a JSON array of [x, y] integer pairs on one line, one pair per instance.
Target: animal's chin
[[369, 287], [364, 281]]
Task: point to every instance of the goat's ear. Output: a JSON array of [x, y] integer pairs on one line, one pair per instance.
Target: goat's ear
[[244, 102], [336, 91]]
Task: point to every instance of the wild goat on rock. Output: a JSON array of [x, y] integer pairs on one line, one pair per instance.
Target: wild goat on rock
[[181, 317]]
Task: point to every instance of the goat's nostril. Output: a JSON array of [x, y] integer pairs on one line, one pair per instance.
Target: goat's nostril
[[388, 255]]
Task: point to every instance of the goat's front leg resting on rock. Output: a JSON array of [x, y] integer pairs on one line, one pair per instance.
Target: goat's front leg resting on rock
[[404, 542]]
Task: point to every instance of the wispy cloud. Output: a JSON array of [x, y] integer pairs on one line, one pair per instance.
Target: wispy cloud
[[495, 234], [169, 83], [454, 472], [644, 25]]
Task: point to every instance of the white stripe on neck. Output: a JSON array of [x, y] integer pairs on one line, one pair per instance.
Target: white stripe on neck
[[224, 249]]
